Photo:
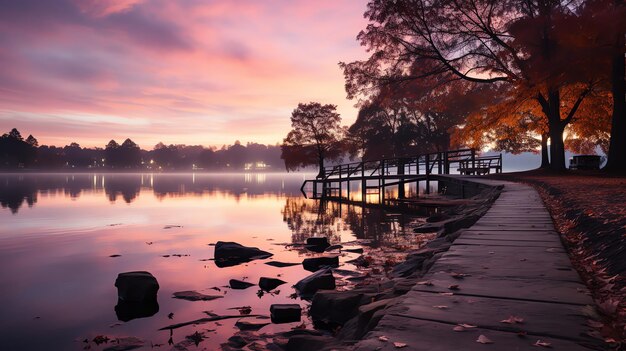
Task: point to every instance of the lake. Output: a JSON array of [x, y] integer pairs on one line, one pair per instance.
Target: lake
[[59, 232]]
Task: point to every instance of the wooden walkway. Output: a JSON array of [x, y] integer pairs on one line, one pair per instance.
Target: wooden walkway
[[520, 288]]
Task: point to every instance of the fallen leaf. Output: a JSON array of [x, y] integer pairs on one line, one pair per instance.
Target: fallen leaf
[[542, 343], [425, 282], [383, 338], [399, 345], [458, 328], [446, 294], [513, 320], [468, 326], [483, 340], [441, 307]]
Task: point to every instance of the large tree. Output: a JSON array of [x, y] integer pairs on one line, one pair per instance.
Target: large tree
[[500, 42], [315, 136]]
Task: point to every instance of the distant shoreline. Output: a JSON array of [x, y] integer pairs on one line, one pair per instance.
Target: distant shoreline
[[112, 171]]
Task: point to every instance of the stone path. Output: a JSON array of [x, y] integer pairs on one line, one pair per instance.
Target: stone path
[[515, 266]]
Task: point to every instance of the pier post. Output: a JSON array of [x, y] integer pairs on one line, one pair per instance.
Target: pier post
[[427, 159], [400, 172], [363, 183]]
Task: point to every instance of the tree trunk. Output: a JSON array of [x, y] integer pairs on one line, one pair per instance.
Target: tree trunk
[[556, 127], [320, 174], [617, 147], [557, 148], [545, 161]]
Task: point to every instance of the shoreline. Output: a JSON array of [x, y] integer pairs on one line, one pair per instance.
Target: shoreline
[[342, 318]]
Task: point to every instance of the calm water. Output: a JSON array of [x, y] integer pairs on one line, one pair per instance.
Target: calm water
[[58, 232]]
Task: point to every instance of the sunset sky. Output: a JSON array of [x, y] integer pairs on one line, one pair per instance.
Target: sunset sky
[[189, 71]]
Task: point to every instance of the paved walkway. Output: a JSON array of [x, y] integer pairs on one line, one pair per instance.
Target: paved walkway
[[517, 271]]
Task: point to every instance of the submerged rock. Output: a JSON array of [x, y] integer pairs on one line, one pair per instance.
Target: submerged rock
[[230, 254], [334, 247], [125, 344], [239, 284], [315, 263], [136, 286], [281, 264], [251, 324], [285, 313], [320, 280], [195, 296], [268, 284]]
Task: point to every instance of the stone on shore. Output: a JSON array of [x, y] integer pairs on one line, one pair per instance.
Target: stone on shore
[[320, 280], [230, 254], [285, 313], [136, 286], [315, 263]]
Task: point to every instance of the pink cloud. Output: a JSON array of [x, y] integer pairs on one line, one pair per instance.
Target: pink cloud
[[191, 71]]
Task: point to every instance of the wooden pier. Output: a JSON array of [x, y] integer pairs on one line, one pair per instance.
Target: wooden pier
[[374, 178]]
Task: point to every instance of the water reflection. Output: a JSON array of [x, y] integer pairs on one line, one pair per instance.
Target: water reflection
[[17, 190], [65, 237], [382, 225]]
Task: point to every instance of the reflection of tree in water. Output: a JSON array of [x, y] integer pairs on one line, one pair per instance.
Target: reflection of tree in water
[[307, 218], [17, 189], [128, 186], [14, 192]]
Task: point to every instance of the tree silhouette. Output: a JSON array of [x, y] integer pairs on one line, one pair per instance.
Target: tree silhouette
[[32, 141], [315, 136]]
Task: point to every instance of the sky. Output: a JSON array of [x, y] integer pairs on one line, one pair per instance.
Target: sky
[[205, 72]]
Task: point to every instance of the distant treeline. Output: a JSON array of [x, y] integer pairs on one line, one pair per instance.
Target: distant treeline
[[19, 153]]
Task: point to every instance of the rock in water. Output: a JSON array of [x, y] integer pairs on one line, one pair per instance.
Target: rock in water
[[239, 284], [317, 244], [268, 284], [230, 254], [320, 280], [315, 263], [136, 286], [334, 247], [281, 264], [195, 296], [285, 313], [251, 324]]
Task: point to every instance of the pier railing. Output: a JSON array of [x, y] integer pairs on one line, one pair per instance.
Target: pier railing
[[399, 171]]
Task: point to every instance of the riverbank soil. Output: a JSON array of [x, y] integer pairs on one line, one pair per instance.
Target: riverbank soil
[[589, 210]]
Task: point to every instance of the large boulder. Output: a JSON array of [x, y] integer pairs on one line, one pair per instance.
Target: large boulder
[[230, 254], [136, 286], [330, 309], [315, 263], [320, 280]]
